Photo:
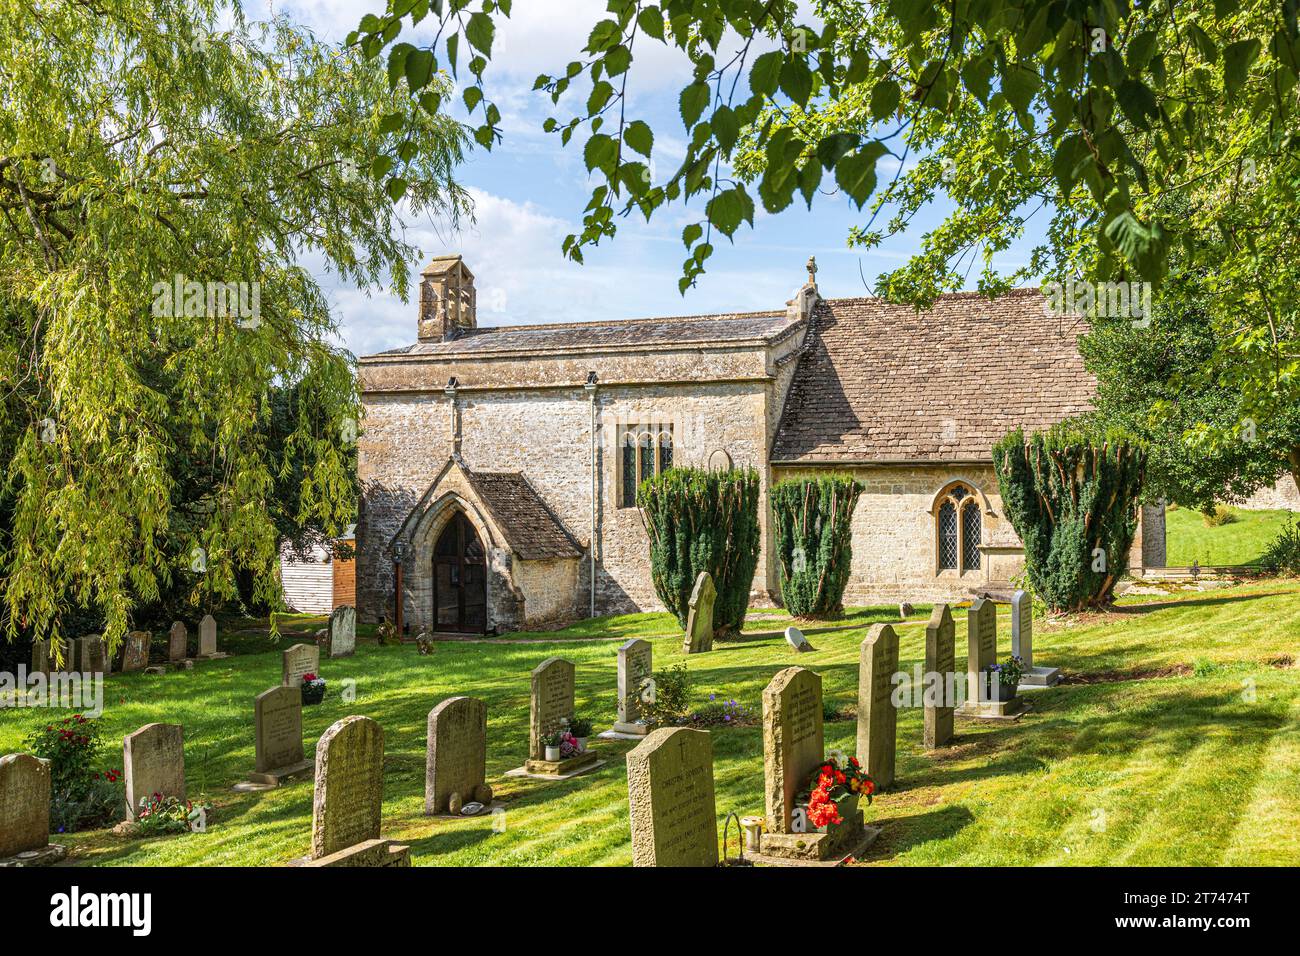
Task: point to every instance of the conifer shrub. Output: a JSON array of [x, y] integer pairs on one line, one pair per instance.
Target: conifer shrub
[[812, 518]]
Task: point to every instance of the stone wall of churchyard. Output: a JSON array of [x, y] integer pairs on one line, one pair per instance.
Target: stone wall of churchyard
[[895, 551], [1284, 494], [544, 432]]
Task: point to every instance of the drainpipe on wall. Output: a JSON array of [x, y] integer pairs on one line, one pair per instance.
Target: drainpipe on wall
[[399, 551], [590, 386]]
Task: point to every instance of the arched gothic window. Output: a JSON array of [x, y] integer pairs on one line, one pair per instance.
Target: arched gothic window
[[646, 451], [957, 530]]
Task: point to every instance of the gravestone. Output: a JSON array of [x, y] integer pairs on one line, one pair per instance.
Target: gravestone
[[277, 718], [40, 657], [92, 657], [981, 647], [793, 743], [208, 636], [298, 660], [940, 664], [672, 811], [343, 631], [153, 761], [551, 703], [877, 715], [635, 667], [348, 800], [699, 619], [1022, 643], [135, 651], [177, 642], [456, 758], [794, 637], [24, 805]]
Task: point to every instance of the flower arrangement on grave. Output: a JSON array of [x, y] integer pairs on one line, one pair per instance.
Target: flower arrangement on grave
[[81, 797], [569, 745], [313, 689], [159, 814], [580, 727], [1007, 676], [831, 785]]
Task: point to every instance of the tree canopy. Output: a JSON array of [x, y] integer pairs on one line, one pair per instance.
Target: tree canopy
[[172, 403]]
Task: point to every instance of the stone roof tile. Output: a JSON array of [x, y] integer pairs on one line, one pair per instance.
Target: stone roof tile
[[529, 526]]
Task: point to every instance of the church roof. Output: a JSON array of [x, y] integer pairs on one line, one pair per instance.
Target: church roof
[[570, 336], [530, 528], [879, 382]]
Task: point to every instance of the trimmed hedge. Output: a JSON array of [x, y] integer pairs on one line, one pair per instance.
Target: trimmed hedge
[[1073, 497], [812, 518], [700, 520]]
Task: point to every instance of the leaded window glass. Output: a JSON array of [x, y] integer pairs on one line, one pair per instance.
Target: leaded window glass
[[629, 470], [646, 452], [665, 451], [948, 536], [970, 536]]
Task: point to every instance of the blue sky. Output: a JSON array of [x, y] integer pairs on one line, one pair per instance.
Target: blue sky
[[529, 193]]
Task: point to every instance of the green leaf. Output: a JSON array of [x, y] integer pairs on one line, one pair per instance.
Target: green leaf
[[1138, 103], [693, 101], [810, 178], [885, 97], [766, 73], [727, 210], [1237, 60], [472, 96], [396, 188], [397, 63], [796, 80], [419, 69], [977, 75], [618, 60], [601, 152], [479, 32], [856, 172], [726, 128], [651, 22], [1019, 84], [639, 137], [691, 234]]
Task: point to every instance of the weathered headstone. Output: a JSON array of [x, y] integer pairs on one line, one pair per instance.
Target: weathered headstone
[[635, 666], [135, 651], [92, 657], [348, 801], [456, 758], [1022, 643], [794, 637], [177, 642], [981, 647], [672, 810], [343, 631], [298, 660], [793, 742], [24, 804], [153, 761], [877, 715], [699, 619], [40, 657], [551, 702], [940, 664], [277, 716], [208, 636]]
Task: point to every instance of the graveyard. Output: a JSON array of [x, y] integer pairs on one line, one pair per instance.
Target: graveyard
[[1171, 741]]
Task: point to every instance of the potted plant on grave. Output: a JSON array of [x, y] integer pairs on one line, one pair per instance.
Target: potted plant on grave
[[833, 792], [313, 689], [1004, 678], [580, 728], [551, 743]]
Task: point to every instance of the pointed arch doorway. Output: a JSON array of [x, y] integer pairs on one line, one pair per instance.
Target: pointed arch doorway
[[459, 579]]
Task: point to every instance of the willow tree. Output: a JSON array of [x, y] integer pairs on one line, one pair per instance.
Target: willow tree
[[1072, 495], [161, 181]]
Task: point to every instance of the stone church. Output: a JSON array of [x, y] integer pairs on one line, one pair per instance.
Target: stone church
[[499, 465]]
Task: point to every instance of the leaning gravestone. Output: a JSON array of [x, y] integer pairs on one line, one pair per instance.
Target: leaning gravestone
[[298, 660], [208, 636], [1022, 643], [794, 637], [343, 631], [91, 655], [455, 768], [348, 802], [699, 620], [940, 664], [177, 642], [153, 761], [672, 810], [635, 666], [277, 717], [135, 651], [877, 715], [25, 812]]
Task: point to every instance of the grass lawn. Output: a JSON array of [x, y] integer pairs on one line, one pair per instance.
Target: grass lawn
[[1242, 541], [1202, 768]]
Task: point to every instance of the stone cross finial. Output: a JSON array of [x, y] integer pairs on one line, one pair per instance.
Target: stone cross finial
[[812, 270]]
